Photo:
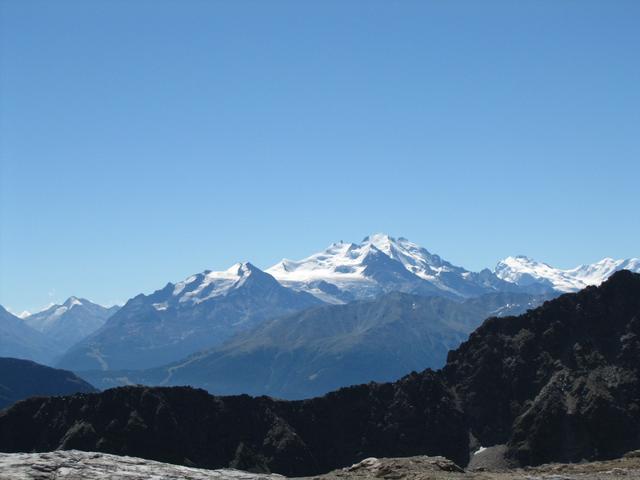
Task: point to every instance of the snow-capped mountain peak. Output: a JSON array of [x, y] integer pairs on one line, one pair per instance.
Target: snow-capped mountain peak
[[339, 261], [361, 271], [210, 284], [70, 321], [72, 302], [416, 259], [524, 271], [596, 273], [50, 314]]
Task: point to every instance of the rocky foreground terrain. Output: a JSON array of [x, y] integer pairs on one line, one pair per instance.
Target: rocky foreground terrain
[[75, 465], [439, 468]]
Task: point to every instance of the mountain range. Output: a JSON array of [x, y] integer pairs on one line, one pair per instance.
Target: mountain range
[[200, 312], [212, 311], [560, 383], [382, 264], [317, 350], [525, 272]]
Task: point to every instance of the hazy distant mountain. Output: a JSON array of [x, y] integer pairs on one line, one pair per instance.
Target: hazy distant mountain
[[70, 322], [202, 311], [20, 379], [526, 272], [19, 340], [320, 349], [382, 264]]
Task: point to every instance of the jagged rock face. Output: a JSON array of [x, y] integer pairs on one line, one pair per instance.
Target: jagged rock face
[[190, 427], [181, 426], [413, 416], [560, 383]]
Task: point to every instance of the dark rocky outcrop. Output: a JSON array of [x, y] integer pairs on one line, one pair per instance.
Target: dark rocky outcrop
[[20, 379], [190, 427], [559, 383]]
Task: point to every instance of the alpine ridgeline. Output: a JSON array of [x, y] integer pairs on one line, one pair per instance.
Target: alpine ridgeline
[[347, 271], [380, 263], [180, 319], [70, 322], [321, 349]]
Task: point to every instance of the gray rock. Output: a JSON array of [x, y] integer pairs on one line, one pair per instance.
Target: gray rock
[[74, 464]]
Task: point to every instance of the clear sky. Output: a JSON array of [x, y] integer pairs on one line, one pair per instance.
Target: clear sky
[[143, 141]]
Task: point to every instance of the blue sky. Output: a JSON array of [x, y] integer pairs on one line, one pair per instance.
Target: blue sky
[[142, 141]]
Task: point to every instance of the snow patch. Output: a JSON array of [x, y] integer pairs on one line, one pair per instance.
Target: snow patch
[[212, 284], [344, 265]]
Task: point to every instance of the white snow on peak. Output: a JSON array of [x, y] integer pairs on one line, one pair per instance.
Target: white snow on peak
[[344, 266], [415, 258], [206, 285], [24, 314], [45, 308], [72, 302], [179, 287], [596, 273], [526, 271], [59, 311], [344, 261], [339, 261]]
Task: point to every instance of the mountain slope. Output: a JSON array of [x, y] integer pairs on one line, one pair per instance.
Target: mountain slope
[[20, 379], [560, 383], [382, 264], [19, 340], [321, 349], [528, 273], [70, 322], [202, 311]]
